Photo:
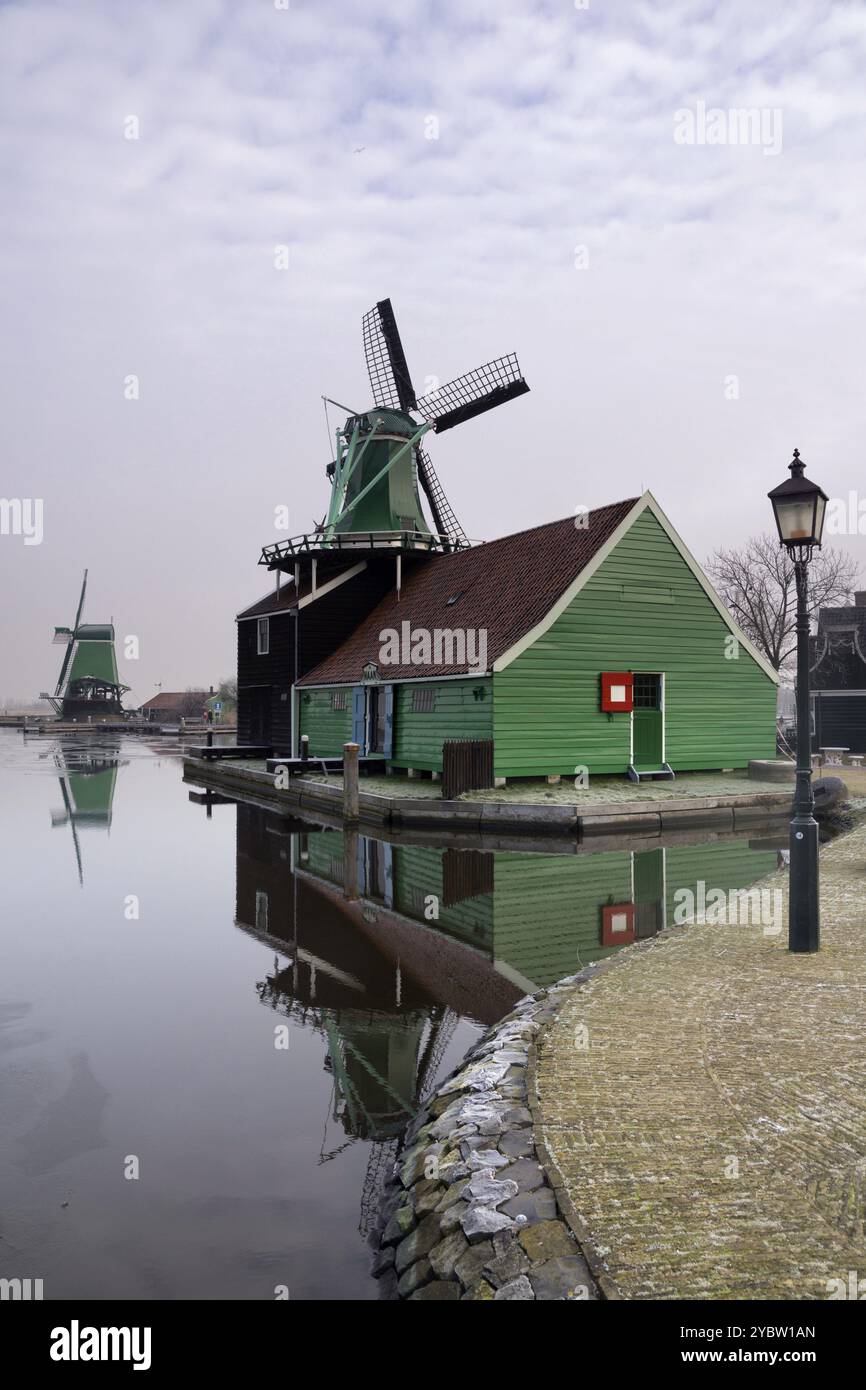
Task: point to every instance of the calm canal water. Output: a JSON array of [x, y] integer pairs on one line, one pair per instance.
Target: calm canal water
[[154, 953]]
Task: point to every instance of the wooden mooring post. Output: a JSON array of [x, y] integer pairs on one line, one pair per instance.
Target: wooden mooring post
[[350, 781], [350, 864]]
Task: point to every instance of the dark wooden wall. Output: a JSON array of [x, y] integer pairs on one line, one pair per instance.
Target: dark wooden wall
[[321, 628]]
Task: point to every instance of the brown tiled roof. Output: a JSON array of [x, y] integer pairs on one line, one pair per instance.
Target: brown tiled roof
[[173, 699], [505, 586]]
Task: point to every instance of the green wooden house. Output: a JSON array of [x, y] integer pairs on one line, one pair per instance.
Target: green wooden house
[[593, 645], [590, 645]]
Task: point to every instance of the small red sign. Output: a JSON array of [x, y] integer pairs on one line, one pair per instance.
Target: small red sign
[[617, 924], [616, 691]]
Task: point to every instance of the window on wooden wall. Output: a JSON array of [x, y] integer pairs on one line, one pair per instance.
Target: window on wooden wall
[[339, 699], [263, 633], [423, 699]]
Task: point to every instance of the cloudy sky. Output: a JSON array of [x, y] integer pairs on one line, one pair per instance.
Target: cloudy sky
[[514, 175]]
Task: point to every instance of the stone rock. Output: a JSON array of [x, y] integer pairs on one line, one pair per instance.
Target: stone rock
[[480, 1076], [490, 1128], [518, 1116], [486, 1158], [387, 1287], [438, 1105], [474, 1141], [426, 1195], [455, 1172], [382, 1261], [419, 1242], [471, 1264], [453, 1194], [513, 1091], [565, 1277], [412, 1279], [441, 1289], [503, 1241], [525, 1172], [483, 1188], [399, 1226], [535, 1206], [518, 1290], [547, 1241], [450, 1219], [482, 1293], [480, 1221], [415, 1161], [444, 1256], [516, 1143], [501, 1269]]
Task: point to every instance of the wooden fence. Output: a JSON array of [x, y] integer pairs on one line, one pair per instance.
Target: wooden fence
[[467, 765], [466, 873]]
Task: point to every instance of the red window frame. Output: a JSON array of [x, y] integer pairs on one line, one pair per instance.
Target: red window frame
[[609, 679], [609, 937]]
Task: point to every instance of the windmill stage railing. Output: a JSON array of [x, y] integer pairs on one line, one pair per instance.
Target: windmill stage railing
[[315, 544]]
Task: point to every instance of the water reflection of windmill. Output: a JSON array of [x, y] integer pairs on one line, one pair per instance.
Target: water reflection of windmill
[[87, 780], [385, 1032]]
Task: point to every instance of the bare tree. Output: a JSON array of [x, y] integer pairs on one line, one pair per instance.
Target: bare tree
[[757, 584], [193, 702]]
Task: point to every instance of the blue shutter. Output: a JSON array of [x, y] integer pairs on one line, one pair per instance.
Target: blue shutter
[[358, 716], [389, 721]]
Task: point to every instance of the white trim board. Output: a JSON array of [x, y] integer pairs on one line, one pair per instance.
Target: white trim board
[[306, 600], [469, 675], [645, 503]]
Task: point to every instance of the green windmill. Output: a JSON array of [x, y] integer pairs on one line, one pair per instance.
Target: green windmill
[[87, 687], [380, 458]]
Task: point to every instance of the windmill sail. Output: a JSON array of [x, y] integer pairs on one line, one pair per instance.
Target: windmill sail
[[466, 396], [386, 361], [67, 656], [444, 520]]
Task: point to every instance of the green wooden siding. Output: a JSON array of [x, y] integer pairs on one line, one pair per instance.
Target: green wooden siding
[[726, 865], [417, 874], [547, 908], [547, 911], [418, 736], [328, 729], [543, 920], [719, 712]]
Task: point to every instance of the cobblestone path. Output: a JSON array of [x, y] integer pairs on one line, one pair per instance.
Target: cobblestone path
[[707, 1131]]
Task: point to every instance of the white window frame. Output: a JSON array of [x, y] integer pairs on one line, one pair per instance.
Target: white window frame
[[263, 629]]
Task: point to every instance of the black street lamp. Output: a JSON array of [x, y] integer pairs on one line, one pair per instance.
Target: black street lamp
[[799, 505]]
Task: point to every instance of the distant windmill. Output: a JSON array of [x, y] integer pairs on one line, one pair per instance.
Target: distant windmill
[[380, 457], [87, 687]]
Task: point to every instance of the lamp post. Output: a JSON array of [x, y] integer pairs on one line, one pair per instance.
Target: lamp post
[[798, 506]]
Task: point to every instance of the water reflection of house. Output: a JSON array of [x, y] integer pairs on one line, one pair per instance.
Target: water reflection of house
[[537, 917], [382, 947], [87, 779]]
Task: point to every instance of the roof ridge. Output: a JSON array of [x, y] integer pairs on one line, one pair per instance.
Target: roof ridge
[[544, 525]]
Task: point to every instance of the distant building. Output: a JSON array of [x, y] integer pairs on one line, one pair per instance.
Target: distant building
[[839, 677], [169, 706]]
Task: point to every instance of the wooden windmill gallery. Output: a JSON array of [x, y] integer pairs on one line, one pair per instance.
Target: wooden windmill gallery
[[590, 642]]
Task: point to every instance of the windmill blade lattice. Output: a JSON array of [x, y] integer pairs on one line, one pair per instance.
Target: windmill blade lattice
[[386, 361], [473, 394], [444, 520]]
